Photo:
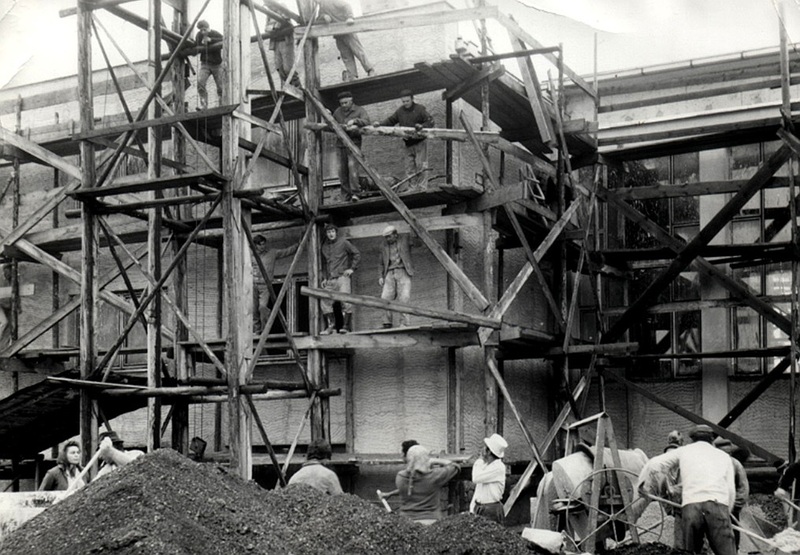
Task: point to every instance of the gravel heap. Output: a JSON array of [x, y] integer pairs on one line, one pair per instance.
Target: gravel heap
[[771, 507], [647, 549], [163, 503]]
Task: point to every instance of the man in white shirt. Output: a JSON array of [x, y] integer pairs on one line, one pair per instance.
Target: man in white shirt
[[489, 477], [708, 492]]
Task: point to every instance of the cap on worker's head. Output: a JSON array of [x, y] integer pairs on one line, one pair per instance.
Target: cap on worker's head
[[388, 230], [406, 92], [319, 449], [723, 443], [496, 444], [345, 94], [258, 239], [115, 439], [202, 24], [702, 431], [331, 226]]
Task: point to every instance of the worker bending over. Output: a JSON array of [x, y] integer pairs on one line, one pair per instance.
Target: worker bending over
[[313, 472], [708, 492]]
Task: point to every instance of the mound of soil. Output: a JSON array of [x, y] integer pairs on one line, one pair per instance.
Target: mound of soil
[[647, 549], [164, 503], [771, 507]]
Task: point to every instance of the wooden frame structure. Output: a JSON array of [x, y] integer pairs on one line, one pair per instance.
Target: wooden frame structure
[[551, 149]]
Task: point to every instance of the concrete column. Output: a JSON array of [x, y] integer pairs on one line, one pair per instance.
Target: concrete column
[[715, 321]]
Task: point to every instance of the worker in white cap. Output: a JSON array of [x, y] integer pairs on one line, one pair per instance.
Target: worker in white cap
[[708, 492], [489, 477], [396, 271]]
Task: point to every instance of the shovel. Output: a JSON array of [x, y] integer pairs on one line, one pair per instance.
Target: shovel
[[385, 503]]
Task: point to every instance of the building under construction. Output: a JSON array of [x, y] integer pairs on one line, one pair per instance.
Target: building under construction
[[622, 246]]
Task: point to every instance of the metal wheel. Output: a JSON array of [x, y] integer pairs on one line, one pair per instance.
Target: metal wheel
[[612, 518]]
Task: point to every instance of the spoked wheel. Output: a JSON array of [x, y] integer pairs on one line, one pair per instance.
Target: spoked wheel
[[613, 517]]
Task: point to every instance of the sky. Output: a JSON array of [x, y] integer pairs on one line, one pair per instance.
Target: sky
[[36, 44]]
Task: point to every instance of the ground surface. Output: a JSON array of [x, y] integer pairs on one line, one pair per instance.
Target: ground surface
[[166, 504]]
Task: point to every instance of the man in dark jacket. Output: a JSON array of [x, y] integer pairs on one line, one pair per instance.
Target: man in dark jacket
[[352, 117], [396, 271], [340, 259], [209, 43], [261, 298], [412, 114]]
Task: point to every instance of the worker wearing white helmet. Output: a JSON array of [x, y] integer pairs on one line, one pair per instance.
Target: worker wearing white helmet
[[396, 271], [489, 477]]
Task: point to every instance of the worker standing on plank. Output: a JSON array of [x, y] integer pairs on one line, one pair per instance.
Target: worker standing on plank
[[313, 472], [349, 45], [412, 114], [262, 302], [340, 259], [352, 117], [708, 492], [489, 477], [113, 454], [209, 43], [396, 272], [281, 42]]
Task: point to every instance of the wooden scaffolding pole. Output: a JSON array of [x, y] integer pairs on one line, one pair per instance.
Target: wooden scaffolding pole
[[88, 316], [239, 334]]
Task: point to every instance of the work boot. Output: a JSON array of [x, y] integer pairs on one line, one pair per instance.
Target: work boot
[[330, 323], [347, 325]]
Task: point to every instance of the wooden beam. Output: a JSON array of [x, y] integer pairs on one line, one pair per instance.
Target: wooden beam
[[534, 93], [93, 5], [538, 164], [512, 192], [485, 137], [399, 338], [403, 21], [771, 377], [692, 417], [507, 55], [704, 236], [40, 153], [691, 189], [375, 302], [434, 223], [520, 33], [275, 464], [485, 75], [438, 252]]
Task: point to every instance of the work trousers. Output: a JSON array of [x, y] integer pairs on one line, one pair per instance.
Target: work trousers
[[417, 161], [492, 511], [396, 287], [284, 60], [350, 49], [261, 306], [209, 70], [341, 284], [348, 174], [709, 519]]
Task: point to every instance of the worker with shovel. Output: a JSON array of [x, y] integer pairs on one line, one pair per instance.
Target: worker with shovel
[[489, 477]]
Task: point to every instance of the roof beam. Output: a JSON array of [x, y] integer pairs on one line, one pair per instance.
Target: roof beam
[[40, 153]]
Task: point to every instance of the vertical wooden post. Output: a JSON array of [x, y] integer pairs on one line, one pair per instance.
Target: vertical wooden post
[[87, 350], [455, 366], [153, 312], [235, 248], [180, 409], [316, 362], [448, 145], [13, 319], [56, 341]]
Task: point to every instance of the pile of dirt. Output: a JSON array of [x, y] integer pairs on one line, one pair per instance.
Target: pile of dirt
[[647, 549], [163, 503], [771, 509]]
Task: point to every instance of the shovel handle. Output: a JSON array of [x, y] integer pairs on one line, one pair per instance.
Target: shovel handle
[[385, 503], [89, 465]]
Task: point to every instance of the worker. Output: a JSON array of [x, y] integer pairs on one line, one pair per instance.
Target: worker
[[314, 473], [708, 492], [787, 488], [340, 259], [281, 42], [352, 117], [349, 45], [404, 447], [420, 483], [396, 272], [209, 43], [412, 114], [489, 477], [262, 302], [674, 440], [66, 474], [113, 454], [6, 307], [738, 456]]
